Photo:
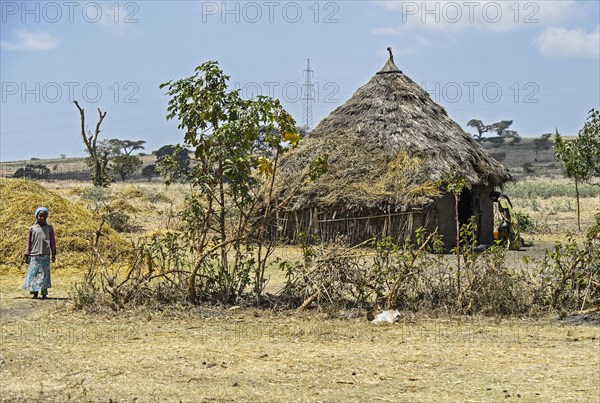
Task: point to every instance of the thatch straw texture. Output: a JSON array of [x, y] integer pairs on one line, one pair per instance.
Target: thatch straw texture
[[75, 226], [385, 147]]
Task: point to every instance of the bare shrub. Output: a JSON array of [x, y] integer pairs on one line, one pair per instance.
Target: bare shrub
[[569, 274], [414, 276], [492, 288], [328, 276]]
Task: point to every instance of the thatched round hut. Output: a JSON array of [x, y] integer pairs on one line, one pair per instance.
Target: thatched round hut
[[370, 168]]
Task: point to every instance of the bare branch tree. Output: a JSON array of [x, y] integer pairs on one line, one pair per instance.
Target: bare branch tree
[[99, 176]]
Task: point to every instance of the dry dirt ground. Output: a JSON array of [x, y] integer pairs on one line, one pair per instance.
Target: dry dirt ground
[[48, 352]]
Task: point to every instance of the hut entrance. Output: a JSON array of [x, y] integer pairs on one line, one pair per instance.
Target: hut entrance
[[465, 206]]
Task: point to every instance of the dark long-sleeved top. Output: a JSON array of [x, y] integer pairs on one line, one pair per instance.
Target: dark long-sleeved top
[[40, 240]]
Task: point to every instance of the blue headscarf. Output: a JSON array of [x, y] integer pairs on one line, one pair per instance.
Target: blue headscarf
[[40, 209]]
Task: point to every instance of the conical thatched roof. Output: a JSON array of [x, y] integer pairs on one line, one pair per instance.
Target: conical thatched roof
[[384, 148]]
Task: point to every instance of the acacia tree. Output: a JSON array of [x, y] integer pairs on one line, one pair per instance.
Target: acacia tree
[[501, 128], [99, 174], [222, 129], [480, 127], [580, 158], [128, 146]]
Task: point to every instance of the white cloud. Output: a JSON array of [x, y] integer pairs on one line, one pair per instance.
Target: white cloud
[[563, 42], [495, 16], [386, 31], [27, 40], [119, 20]]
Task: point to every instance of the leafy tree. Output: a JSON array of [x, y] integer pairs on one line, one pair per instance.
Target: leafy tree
[[591, 132], [128, 146], [33, 171], [149, 172], [512, 134], [501, 127], [480, 127], [106, 150], [97, 155], [502, 130], [172, 161], [580, 158], [125, 165], [222, 129]]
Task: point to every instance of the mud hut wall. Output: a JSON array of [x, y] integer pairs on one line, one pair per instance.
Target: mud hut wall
[[441, 217], [330, 225]]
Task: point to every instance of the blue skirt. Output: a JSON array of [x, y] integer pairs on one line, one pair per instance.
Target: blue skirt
[[38, 274]]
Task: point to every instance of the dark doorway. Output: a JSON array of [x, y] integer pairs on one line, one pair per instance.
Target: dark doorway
[[465, 206]]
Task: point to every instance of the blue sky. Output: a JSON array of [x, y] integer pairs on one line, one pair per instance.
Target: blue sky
[[535, 62]]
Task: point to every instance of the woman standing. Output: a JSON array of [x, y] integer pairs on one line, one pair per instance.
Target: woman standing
[[41, 248], [508, 232]]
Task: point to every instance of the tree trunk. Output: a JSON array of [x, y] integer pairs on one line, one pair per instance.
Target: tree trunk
[[223, 231], [456, 199], [578, 210], [90, 144], [262, 233]]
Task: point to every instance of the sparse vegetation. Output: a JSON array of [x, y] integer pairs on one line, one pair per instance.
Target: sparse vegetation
[[145, 336], [580, 157], [133, 301], [543, 189], [32, 171]]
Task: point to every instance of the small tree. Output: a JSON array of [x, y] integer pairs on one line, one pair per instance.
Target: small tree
[[502, 130], [501, 127], [580, 158], [223, 130], [125, 165], [149, 172], [172, 161], [98, 158]]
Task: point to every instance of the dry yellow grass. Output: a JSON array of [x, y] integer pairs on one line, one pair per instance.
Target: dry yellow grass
[[151, 206], [48, 353], [75, 226]]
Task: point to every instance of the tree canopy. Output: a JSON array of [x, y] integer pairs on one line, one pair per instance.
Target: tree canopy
[[228, 136]]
